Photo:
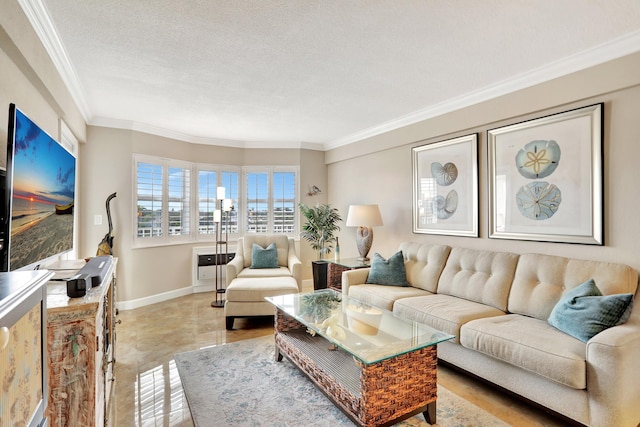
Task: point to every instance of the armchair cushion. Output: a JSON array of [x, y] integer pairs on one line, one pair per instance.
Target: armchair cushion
[[264, 257], [264, 240]]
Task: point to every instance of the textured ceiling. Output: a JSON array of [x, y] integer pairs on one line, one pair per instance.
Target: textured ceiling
[[317, 72]]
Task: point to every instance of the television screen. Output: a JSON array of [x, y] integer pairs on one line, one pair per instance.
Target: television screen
[[40, 193]]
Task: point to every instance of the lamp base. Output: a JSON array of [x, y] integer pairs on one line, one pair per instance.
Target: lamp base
[[363, 259], [364, 239]]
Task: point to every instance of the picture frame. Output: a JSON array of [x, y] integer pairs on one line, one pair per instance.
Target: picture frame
[[546, 178], [445, 187]]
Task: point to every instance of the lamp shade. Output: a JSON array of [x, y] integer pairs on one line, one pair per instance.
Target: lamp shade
[[220, 192], [364, 216]]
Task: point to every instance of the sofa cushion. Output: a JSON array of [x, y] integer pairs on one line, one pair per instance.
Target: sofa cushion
[[443, 312], [531, 344], [389, 272], [424, 264], [481, 276], [541, 280], [584, 312], [384, 296], [264, 257]]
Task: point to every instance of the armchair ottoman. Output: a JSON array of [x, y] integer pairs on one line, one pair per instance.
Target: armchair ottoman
[[247, 285]]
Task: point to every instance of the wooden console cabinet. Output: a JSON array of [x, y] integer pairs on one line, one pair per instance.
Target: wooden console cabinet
[[81, 342]]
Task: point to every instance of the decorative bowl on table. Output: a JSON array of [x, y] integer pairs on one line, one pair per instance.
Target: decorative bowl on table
[[363, 318]]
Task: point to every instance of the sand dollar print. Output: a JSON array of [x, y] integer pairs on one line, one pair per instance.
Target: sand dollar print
[[538, 159], [538, 200]]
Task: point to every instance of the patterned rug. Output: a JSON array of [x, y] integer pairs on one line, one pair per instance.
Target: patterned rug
[[240, 384]]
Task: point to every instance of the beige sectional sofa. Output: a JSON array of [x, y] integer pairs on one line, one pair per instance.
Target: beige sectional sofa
[[497, 306]]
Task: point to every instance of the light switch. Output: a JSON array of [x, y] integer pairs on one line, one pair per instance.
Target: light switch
[[97, 219]]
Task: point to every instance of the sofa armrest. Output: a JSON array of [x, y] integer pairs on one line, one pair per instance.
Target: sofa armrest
[[354, 277], [295, 266], [613, 383], [234, 267]]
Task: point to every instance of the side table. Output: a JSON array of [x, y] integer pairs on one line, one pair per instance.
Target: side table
[[334, 275]]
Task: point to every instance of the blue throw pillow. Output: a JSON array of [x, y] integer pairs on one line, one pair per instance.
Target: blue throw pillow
[[584, 312], [264, 258], [388, 272]]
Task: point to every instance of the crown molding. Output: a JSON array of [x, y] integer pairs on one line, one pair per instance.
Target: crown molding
[[605, 52], [38, 16], [179, 136]]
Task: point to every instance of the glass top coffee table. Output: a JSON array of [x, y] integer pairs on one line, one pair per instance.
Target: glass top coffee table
[[376, 367]]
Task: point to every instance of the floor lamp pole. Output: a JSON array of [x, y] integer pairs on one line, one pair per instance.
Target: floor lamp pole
[[220, 245]]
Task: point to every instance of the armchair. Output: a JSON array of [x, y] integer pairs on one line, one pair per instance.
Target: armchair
[[247, 287]]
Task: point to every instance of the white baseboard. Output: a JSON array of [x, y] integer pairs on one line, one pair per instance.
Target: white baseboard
[[307, 286], [203, 288], [165, 296]]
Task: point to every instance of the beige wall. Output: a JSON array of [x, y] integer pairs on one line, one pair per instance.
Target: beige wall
[[378, 170], [29, 78], [145, 274]]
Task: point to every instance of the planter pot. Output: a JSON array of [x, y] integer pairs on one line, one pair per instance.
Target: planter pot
[[319, 274]]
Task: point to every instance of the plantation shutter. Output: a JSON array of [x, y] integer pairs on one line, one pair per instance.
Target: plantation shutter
[[207, 184], [284, 202], [149, 199], [257, 206], [229, 180], [179, 200]]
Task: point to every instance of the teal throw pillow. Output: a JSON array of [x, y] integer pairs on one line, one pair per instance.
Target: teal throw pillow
[[264, 258], [389, 272], [584, 312]]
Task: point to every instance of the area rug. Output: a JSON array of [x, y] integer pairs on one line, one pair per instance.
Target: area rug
[[240, 384]]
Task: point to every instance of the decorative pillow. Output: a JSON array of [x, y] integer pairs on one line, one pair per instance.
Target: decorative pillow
[[388, 272], [264, 258], [584, 312]]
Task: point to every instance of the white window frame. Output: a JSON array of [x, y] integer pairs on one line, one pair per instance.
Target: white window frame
[[239, 204], [165, 239], [270, 170], [219, 170]]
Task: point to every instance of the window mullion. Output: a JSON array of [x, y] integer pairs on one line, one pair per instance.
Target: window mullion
[[165, 199], [270, 208]]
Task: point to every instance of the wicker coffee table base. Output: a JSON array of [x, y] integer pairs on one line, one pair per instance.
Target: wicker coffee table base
[[378, 394]]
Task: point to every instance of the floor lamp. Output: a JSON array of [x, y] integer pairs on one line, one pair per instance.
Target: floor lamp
[[222, 248], [364, 217]]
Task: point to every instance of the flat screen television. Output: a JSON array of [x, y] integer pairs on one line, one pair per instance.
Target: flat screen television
[[40, 195]]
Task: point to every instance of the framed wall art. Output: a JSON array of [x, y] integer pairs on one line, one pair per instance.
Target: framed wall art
[[545, 178], [445, 187]]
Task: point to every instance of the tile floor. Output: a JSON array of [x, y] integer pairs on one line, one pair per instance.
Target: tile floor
[[148, 391]]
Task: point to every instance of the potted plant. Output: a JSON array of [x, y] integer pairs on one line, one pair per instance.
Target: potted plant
[[319, 231]]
